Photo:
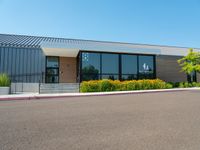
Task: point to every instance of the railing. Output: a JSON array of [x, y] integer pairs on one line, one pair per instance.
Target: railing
[[26, 82], [23, 83], [28, 78]]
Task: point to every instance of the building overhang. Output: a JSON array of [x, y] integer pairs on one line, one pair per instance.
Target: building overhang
[[72, 49], [62, 52]]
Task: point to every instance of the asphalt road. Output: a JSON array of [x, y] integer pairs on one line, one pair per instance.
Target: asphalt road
[[156, 121]]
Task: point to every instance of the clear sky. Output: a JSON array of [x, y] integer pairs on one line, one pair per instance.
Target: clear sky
[[163, 22]]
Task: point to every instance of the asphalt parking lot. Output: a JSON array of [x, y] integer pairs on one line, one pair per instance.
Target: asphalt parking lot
[[151, 121]]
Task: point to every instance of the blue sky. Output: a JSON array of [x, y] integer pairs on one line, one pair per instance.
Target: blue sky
[[163, 22]]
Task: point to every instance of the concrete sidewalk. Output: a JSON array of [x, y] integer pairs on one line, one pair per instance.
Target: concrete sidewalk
[[31, 96]]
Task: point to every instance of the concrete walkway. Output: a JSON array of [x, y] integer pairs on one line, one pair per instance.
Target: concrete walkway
[[29, 96]]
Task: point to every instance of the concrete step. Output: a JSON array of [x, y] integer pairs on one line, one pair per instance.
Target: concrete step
[[59, 88]]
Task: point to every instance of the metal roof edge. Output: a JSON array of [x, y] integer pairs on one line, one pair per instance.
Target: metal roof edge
[[99, 41]]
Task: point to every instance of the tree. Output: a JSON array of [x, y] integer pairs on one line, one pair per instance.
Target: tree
[[190, 63]]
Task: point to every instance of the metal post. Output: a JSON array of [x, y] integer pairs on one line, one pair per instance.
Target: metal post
[[15, 84], [39, 87]]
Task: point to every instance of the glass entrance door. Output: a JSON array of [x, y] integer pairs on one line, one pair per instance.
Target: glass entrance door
[[52, 69]]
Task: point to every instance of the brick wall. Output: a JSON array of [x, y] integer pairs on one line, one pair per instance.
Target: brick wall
[[67, 70], [168, 69]]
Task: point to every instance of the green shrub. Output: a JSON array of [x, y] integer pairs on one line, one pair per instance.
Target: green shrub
[[198, 84], [116, 85], [90, 86], [169, 86], [4, 80], [110, 85], [188, 85], [131, 85], [106, 85]]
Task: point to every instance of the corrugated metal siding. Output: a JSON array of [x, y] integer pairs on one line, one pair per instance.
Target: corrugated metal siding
[[22, 64]]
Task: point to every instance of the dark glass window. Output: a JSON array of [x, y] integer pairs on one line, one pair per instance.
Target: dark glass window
[[129, 77], [95, 66], [110, 76], [110, 63], [52, 69], [52, 79], [52, 61], [146, 67], [129, 64], [91, 63], [87, 77], [90, 66]]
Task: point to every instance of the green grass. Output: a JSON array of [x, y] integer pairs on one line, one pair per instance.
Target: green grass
[[4, 80]]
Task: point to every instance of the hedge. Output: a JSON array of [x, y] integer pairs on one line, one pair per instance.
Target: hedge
[[4, 80], [116, 85], [187, 84]]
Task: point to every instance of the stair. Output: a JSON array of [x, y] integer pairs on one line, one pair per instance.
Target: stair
[[59, 88]]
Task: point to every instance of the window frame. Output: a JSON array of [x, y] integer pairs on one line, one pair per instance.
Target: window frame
[[120, 74], [57, 68]]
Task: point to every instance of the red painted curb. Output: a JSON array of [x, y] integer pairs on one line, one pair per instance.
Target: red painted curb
[[70, 96]]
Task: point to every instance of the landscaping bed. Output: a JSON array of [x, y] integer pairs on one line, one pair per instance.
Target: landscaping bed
[[106, 85]]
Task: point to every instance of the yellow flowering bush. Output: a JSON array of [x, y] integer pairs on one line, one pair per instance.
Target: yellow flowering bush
[[116, 85]]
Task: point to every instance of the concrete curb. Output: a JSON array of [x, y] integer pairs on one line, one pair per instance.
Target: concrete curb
[[68, 95]]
